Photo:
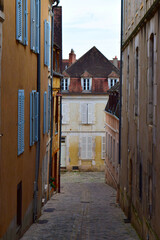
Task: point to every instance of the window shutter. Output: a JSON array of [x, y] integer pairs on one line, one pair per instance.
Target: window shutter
[[90, 113], [64, 113], [36, 115], [90, 84], [44, 112], [33, 117], [31, 120], [26, 23], [33, 24], [89, 148], [19, 20], [49, 106], [106, 143], [20, 121], [49, 42], [45, 42], [84, 148], [84, 113], [37, 26], [103, 148], [82, 83]]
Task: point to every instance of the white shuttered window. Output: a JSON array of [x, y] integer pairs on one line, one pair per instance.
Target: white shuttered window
[[65, 113], [87, 147], [103, 144], [87, 113]]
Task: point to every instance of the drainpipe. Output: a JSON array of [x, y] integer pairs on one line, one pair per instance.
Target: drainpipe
[[52, 46], [59, 174], [120, 111], [35, 198]]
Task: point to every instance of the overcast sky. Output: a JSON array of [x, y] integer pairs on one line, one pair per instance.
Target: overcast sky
[[88, 23]]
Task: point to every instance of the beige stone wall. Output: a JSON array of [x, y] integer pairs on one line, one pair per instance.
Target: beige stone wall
[[139, 170]]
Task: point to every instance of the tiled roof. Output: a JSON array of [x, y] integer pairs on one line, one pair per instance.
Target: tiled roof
[[115, 88], [93, 62]]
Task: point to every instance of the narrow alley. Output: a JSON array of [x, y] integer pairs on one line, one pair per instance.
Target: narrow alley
[[85, 209]]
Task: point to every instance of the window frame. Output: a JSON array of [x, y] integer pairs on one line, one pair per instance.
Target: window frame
[[65, 84], [86, 86]]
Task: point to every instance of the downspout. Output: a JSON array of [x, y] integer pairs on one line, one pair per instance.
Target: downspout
[[35, 198], [59, 174], [120, 111]]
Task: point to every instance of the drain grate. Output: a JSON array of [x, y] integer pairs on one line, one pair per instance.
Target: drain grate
[[42, 221], [49, 209]]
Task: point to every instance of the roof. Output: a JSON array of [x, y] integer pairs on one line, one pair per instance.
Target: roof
[[113, 75], [115, 88], [94, 62]]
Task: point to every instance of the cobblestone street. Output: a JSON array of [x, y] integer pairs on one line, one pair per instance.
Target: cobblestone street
[[85, 209]]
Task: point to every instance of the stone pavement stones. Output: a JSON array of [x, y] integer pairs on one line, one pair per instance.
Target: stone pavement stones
[[84, 210]]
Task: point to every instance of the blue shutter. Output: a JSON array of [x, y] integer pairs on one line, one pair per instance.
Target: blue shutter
[[37, 26], [20, 121], [26, 22], [45, 42], [44, 112], [31, 119], [19, 20], [36, 115], [33, 24]]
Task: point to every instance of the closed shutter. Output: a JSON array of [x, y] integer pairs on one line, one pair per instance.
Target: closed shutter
[[33, 25], [82, 83], [19, 20], [20, 121], [44, 113], [37, 26], [64, 112], [49, 106], [106, 143], [103, 147], [26, 23], [36, 115], [31, 119], [46, 42], [89, 148], [84, 148], [90, 113], [84, 113]]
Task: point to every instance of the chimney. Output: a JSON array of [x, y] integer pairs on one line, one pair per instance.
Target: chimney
[[72, 57], [115, 62]]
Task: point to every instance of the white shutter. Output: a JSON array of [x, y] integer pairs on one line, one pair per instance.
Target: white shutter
[[90, 113], [89, 148], [103, 147], [63, 113], [84, 113], [82, 83], [83, 147]]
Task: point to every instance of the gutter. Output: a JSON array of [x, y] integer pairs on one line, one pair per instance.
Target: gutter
[[59, 178], [35, 196]]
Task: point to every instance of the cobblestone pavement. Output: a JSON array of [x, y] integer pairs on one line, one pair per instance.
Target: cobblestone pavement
[[85, 209]]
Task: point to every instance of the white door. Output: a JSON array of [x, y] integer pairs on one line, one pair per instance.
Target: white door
[[63, 154]]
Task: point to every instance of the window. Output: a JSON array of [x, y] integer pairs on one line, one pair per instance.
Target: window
[[34, 113], [20, 121], [65, 84], [87, 113], [137, 81], [19, 204], [103, 144], [22, 21], [112, 82], [35, 26], [45, 113], [86, 148], [151, 80], [86, 84], [49, 107], [46, 43], [65, 113]]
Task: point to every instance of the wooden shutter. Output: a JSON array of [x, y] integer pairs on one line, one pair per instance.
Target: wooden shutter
[[20, 121], [49, 106], [82, 83], [103, 147], [64, 112], [89, 148], [46, 42], [90, 113], [31, 119], [84, 148], [36, 115], [44, 113], [106, 143], [19, 20], [25, 23], [84, 113], [37, 26], [33, 25]]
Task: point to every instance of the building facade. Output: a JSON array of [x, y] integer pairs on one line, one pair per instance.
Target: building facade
[[139, 163], [84, 96], [112, 137], [26, 119]]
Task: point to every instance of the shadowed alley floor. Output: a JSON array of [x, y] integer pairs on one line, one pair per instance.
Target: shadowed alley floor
[[85, 209]]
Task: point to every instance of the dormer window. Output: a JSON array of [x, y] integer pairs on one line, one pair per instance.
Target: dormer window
[[112, 81], [65, 84], [86, 84]]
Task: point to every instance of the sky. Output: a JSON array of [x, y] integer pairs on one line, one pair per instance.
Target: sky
[[88, 23]]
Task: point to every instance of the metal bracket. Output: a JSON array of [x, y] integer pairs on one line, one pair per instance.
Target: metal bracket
[[1, 135]]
